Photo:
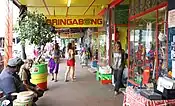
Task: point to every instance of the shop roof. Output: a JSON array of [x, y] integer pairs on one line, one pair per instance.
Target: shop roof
[[59, 7]]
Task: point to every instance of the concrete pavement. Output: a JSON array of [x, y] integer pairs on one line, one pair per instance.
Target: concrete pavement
[[85, 91]]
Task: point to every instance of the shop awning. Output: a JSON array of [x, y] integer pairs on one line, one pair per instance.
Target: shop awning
[[67, 7]]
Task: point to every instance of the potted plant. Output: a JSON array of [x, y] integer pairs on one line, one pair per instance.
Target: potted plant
[[33, 28]]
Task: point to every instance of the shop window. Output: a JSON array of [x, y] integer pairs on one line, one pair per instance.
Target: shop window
[[102, 47], [142, 41], [94, 44], [162, 38], [138, 6], [148, 45]]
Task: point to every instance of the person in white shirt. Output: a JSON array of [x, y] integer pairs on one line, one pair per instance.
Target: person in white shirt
[[118, 66]]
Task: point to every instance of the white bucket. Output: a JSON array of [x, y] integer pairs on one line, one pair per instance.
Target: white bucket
[[19, 103], [25, 96]]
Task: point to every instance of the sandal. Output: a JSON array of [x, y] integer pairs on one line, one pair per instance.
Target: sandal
[[66, 80], [52, 79], [73, 80], [116, 93]]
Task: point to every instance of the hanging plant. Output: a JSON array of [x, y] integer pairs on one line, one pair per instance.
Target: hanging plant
[[33, 27]]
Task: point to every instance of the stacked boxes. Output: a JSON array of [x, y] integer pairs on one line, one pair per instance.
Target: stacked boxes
[[104, 75]]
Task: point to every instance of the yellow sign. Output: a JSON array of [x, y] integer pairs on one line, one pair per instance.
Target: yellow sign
[[75, 21], [73, 35]]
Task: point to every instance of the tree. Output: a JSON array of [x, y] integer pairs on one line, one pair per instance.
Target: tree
[[33, 27]]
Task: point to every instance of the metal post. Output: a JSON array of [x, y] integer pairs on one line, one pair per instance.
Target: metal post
[[8, 34]]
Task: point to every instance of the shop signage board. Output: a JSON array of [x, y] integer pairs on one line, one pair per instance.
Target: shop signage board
[[171, 18], [75, 21], [171, 14], [70, 36]]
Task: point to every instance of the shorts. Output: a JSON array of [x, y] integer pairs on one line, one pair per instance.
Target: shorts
[[71, 62]]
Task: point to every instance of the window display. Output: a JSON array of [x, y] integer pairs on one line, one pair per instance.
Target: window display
[[94, 44], [162, 40], [102, 47], [148, 46]]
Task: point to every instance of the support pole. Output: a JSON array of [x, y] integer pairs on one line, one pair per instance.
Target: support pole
[[8, 34]]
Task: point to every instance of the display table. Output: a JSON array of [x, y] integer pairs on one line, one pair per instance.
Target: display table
[[131, 98]]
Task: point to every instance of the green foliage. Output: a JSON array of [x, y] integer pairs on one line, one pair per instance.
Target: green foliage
[[33, 27]]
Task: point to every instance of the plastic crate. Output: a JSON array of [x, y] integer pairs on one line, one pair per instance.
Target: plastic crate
[[106, 77], [97, 76], [106, 81]]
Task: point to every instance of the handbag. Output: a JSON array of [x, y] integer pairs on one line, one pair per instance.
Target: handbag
[[125, 73]]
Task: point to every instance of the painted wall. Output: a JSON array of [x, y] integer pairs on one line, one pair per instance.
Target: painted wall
[[122, 36]]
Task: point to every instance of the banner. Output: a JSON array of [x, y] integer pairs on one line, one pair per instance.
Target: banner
[[70, 36], [75, 21], [171, 18]]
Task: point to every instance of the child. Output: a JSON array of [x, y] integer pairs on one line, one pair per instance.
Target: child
[[51, 65], [94, 62]]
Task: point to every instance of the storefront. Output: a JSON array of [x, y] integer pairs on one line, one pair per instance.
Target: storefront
[[147, 39], [119, 24], [107, 36], [94, 45], [103, 36], [115, 26], [149, 83], [119, 28]]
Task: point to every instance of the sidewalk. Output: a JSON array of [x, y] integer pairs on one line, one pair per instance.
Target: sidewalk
[[86, 91]]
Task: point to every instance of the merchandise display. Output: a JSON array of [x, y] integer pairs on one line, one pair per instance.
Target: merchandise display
[[148, 47], [151, 81], [94, 45], [104, 75], [150, 94], [133, 97], [165, 83]]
